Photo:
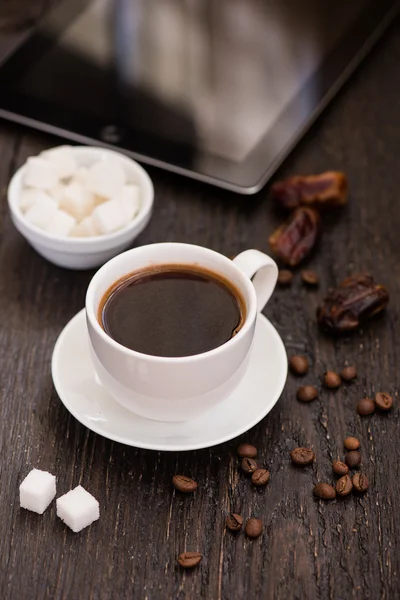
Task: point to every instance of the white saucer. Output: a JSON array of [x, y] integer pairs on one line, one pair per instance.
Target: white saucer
[[89, 402]]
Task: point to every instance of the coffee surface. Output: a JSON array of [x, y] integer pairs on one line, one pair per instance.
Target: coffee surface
[[171, 310]]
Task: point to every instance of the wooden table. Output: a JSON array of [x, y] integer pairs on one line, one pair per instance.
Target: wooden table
[[309, 549]]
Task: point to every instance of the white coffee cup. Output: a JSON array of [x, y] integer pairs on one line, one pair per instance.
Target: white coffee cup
[[178, 388]]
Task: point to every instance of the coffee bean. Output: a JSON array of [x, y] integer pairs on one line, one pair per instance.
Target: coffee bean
[[353, 459], [307, 393], [253, 528], [332, 380], [344, 486], [247, 451], [234, 522], [188, 560], [310, 278], [260, 477], [324, 491], [348, 373], [302, 456], [351, 443], [184, 484], [366, 406], [299, 365], [339, 468], [383, 401], [249, 466], [285, 277], [360, 482]]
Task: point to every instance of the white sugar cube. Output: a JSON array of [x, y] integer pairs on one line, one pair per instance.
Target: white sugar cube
[[106, 178], [86, 228], [41, 212], [61, 223], [109, 216], [130, 200], [80, 175], [77, 201], [29, 197], [57, 193], [40, 173], [62, 159], [78, 509], [37, 491]]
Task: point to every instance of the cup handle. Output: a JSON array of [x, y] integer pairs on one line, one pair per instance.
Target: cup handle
[[263, 272]]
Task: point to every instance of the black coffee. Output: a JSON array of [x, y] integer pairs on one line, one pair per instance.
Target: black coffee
[[172, 310]]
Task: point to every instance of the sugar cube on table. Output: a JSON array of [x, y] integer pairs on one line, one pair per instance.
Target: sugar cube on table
[[29, 197], [37, 491], [106, 178], [62, 159], [86, 228], [130, 199], [110, 216], [40, 173], [61, 223], [78, 509], [41, 212], [77, 201]]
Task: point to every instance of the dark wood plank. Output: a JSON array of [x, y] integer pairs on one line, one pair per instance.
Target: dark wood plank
[[345, 549]]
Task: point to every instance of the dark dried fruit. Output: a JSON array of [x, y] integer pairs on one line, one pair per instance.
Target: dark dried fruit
[[383, 401], [298, 365], [184, 484], [247, 451], [295, 238], [310, 278], [285, 277], [307, 393], [234, 522], [344, 486], [351, 443], [356, 300], [327, 190], [339, 468], [302, 456], [253, 528], [324, 491], [332, 380], [353, 459], [365, 406], [348, 373], [360, 482], [188, 560], [260, 477], [249, 466]]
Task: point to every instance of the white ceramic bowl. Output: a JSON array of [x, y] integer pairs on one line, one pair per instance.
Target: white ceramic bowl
[[85, 252]]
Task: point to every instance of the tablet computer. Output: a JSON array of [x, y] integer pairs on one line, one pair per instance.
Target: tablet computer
[[217, 90]]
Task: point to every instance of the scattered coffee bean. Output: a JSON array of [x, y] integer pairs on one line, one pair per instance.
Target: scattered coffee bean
[[249, 466], [324, 491], [351, 443], [360, 482], [299, 365], [234, 522], [310, 278], [260, 477], [353, 459], [365, 406], [247, 451], [307, 393], [285, 277], [302, 456], [332, 379], [253, 528], [188, 560], [184, 484], [348, 373], [344, 486], [383, 401], [339, 468]]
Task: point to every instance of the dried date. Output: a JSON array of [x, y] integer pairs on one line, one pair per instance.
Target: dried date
[[324, 191], [295, 238], [357, 299]]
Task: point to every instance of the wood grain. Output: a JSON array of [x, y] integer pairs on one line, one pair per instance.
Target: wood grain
[[340, 550]]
